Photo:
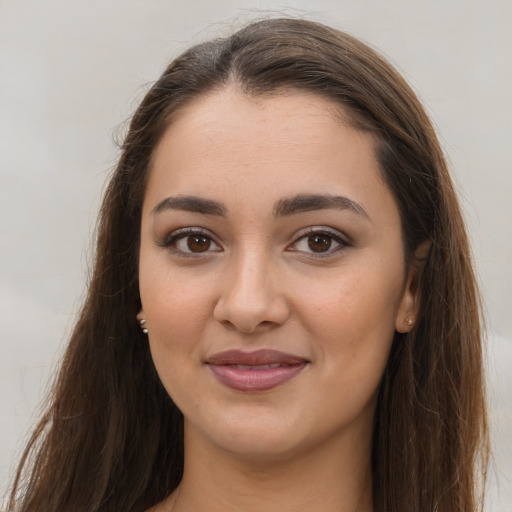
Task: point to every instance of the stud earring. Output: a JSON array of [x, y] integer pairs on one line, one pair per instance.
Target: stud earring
[[144, 329], [409, 322]]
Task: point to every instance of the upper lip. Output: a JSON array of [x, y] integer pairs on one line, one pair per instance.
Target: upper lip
[[254, 358]]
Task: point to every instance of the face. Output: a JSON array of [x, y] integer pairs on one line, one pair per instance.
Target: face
[[272, 273]]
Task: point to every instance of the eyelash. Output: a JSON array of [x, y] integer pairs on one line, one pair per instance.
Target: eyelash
[[173, 238], [332, 234]]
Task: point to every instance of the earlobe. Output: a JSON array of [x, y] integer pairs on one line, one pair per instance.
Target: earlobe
[[407, 311], [409, 306], [142, 321]]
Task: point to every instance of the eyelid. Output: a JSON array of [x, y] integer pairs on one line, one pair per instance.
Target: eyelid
[[177, 234], [180, 233], [339, 237]]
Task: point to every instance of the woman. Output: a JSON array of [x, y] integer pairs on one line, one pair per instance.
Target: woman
[[283, 313]]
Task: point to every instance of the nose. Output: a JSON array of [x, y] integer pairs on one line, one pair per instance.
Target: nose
[[251, 296]]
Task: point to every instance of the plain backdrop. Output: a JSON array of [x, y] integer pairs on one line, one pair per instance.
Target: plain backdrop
[[71, 72]]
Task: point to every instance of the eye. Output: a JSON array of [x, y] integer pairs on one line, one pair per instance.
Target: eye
[[190, 242], [319, 241]]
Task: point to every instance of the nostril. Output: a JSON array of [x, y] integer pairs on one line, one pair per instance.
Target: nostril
[[250, 302]]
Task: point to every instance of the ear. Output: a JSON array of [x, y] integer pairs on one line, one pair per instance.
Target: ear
[[409, 304], [141, 318]]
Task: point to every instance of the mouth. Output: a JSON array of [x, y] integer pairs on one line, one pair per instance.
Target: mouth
[[259, 370]]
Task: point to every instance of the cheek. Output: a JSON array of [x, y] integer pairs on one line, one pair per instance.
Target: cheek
[[176, 319], [353, 333], [177, 312], [359, 302], [352, 322], [175, 305]]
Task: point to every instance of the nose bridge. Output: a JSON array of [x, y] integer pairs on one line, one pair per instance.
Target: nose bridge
[[251, 276], [250, 294]]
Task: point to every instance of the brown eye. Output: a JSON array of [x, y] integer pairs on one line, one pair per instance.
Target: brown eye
[[319, 243], [191, 243], [198, 243]]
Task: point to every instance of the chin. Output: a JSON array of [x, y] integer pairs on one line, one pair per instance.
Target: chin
[[261, 449], [249, 439]]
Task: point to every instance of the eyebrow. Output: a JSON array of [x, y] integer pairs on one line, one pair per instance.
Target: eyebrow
[[311, 202], [191, 204], [284, 207]]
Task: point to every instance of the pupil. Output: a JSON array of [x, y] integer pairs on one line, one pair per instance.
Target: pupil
[[319, 243], [198, 243]]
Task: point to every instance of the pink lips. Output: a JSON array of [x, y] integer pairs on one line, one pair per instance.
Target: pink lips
[[255, 371]]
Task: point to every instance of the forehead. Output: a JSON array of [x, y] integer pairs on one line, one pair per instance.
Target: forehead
[[265, 147], [242, 120]]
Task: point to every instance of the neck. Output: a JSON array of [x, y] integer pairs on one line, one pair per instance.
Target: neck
[[333, 477]]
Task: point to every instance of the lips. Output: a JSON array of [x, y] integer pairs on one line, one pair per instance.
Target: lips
[[259, 370]]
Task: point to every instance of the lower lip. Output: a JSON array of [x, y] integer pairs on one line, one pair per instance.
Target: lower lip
[[255, 380]]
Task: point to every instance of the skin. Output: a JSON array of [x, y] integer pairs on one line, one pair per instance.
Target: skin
[[305, 444]]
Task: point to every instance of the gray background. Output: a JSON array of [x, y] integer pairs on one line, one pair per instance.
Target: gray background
[[72, 71]]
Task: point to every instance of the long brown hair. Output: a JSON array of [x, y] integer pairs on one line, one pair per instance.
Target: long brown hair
[[111, 438]]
